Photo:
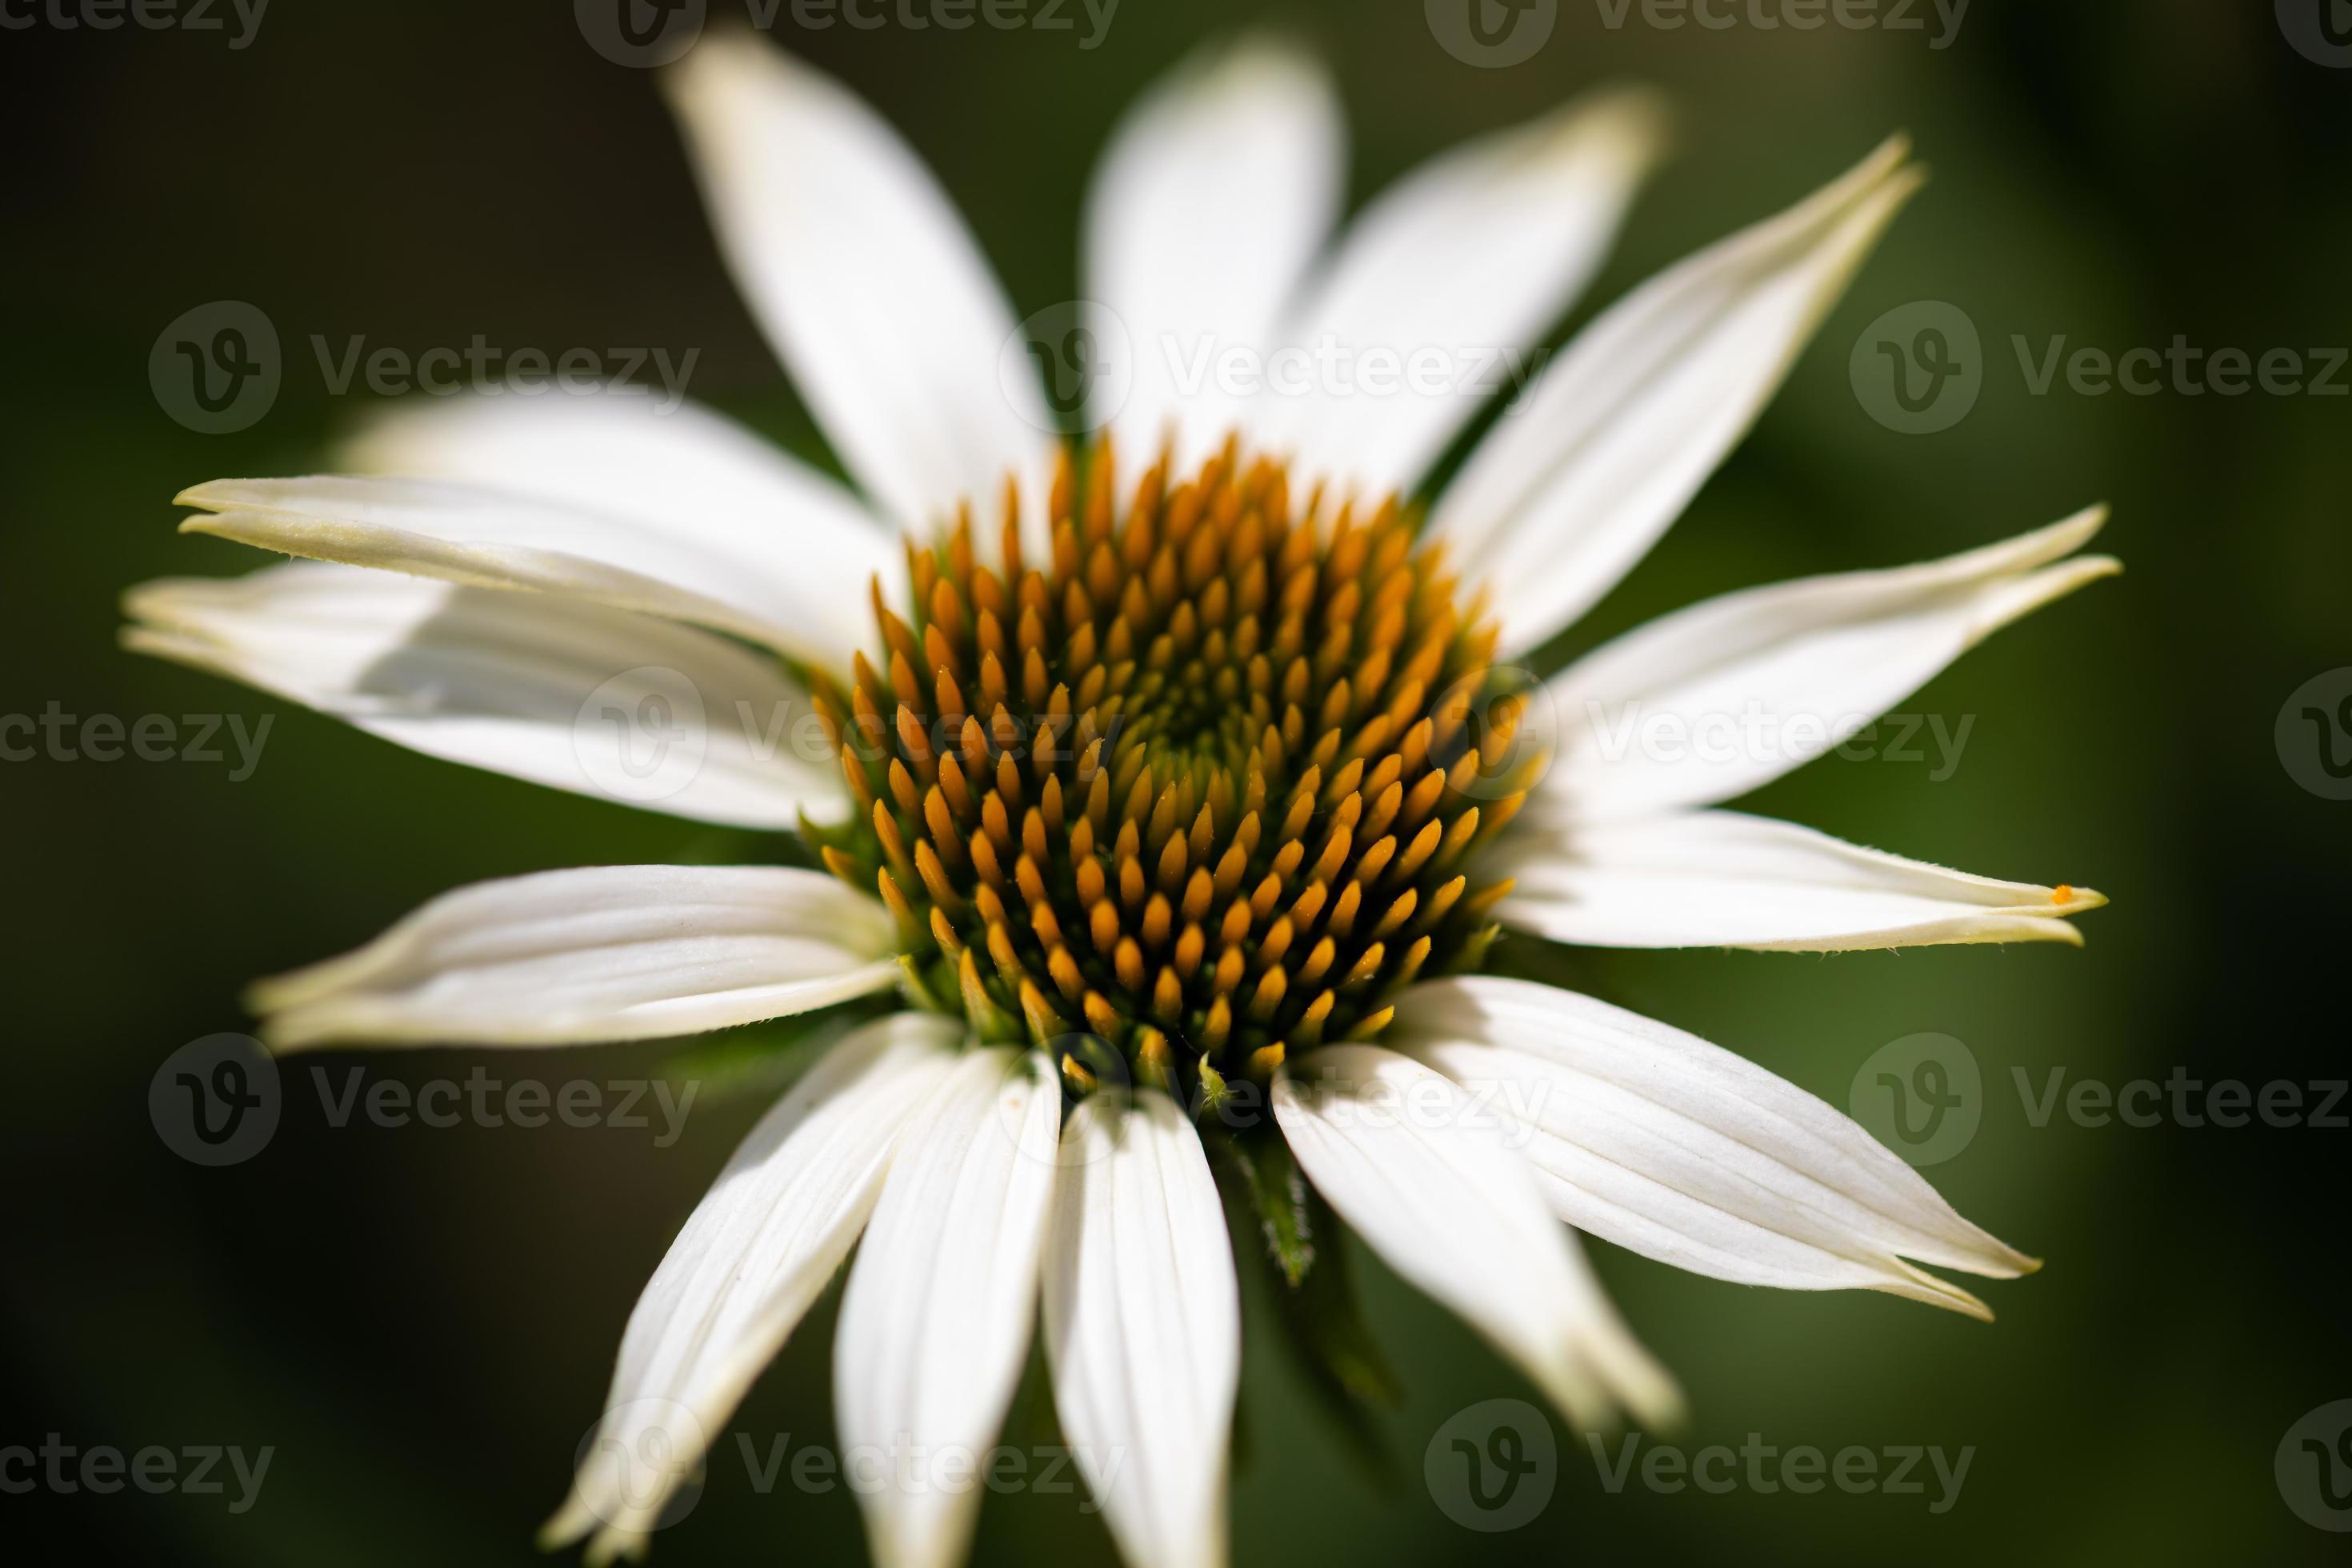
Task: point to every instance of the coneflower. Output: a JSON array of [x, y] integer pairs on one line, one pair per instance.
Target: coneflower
[[1170, 786]]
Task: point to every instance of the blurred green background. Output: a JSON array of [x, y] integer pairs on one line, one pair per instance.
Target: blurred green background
[[421, 1323]]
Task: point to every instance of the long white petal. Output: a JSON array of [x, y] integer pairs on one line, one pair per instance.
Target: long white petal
[[935, 1322], [623, 707], [1720, 878], [752, 1257], [808, 546], [1425, 1176], [1563, 497], [865, 277], [1464, 261], [1716, 699], [486, 538], [602, 952], [1680, 1149], [1214, 195], [1143, 1326]]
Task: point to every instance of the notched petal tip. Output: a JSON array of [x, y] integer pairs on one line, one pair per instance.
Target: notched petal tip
[[214, 495]]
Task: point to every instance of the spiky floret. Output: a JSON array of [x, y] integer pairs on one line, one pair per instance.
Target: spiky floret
[[1194, 793]]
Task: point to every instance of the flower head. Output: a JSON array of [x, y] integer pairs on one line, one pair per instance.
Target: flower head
[[1170, 785], [1197, 788]]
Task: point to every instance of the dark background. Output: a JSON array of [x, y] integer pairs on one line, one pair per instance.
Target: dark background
[[421, 1322]]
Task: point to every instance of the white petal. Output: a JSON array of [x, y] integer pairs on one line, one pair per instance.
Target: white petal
[[757, 1250], [1563, 497], [1472, 256], [1143, 1326], [1720, 878], [623, 707], [603, 953], [1680, 1149], [1423, 1175], [494, 539], [806, 547], [1214, 195], [935, 1322], [865, 277], [1726, 695]]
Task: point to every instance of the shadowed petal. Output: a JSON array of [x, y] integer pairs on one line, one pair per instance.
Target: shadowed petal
[[603, 952], [1424, 1177], [1684, 1152]]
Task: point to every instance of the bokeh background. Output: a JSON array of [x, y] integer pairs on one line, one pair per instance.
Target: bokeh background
[[421, 1322]]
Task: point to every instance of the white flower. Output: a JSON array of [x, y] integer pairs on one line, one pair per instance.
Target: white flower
[[1239, 774]]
